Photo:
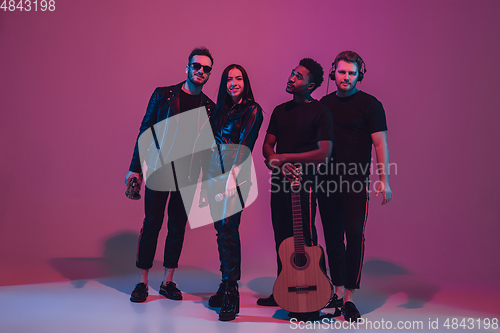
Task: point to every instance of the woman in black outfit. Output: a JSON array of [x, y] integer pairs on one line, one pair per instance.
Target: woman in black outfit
[[236, 123]]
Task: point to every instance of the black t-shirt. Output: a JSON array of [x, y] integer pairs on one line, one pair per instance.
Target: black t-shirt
[[189, 165], [189, 102], [299, 127], [355, 118]]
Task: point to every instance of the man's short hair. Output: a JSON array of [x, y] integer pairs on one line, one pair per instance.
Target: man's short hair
[[315, 69], [201, 51], [352, 57]]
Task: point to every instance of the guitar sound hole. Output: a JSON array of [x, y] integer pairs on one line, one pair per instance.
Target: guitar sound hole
[[300, 260]]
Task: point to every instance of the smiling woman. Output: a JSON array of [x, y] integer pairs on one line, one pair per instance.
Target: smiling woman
[[235, 85], [235, 123]]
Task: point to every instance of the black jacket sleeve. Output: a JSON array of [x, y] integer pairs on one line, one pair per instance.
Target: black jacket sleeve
[[249, 132], [150, 118]]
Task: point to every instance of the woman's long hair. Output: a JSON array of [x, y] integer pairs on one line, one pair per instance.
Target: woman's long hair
[[224, 100]]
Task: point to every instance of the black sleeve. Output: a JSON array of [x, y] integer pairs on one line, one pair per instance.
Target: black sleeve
[[249, 132], [272, 129], [325, 126], [376, 117], [148, 121], [205, 155]]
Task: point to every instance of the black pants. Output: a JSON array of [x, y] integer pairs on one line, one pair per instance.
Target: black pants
[[281, 212], [344, 214], [227, 212], [154, 207]]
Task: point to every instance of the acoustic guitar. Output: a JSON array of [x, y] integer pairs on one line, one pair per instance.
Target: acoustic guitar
[[302, 285]]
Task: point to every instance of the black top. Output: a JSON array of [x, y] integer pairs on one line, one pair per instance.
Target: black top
[[239, 126], [188, 101], [235, 131], [355, 118], [299, 127], [164, 103]]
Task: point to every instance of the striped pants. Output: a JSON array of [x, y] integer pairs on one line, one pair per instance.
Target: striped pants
[[344, 214]]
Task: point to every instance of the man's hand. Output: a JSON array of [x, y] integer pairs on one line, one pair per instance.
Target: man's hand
[[275, 161], [386, 191], [203, 198], [291, 172]]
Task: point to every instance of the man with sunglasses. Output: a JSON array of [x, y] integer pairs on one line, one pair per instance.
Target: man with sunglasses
[[164, 103]]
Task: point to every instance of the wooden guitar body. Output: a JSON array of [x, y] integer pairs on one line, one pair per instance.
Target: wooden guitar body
[[302, 285]]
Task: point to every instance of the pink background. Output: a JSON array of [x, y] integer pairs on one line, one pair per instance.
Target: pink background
[[75, 84]]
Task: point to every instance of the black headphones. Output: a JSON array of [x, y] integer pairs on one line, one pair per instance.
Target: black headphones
[[357, 60], [332, 72]]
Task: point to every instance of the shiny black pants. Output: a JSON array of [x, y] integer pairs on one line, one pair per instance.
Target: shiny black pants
[[227, 227], [226, 213]]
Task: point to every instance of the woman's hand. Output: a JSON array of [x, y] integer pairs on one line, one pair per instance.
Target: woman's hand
[[203, 198], [230, 186]]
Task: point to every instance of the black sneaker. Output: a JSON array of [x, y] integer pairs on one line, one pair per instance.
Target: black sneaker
[[140, 293], [336, 303], [350, 312], [170, 291], [215, 300], [268, 301]]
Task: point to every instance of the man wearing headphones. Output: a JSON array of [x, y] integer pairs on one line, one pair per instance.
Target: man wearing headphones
[[358, 121]]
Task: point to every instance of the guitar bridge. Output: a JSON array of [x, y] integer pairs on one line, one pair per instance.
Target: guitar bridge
[[301, 289]]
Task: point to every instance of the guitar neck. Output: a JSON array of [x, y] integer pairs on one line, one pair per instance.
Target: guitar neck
[[298, 232]]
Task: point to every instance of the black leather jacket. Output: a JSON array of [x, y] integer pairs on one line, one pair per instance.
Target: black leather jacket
[[238, 126], [163, 104]]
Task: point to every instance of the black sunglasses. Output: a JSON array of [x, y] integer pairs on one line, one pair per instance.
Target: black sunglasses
[[197, 66]]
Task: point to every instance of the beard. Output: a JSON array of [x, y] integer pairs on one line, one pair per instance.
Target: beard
[[196, 83]]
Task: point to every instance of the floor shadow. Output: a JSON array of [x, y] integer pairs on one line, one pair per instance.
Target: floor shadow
[[382, 279], [262, 286], [281, 315], [117, 270], [117, 263]]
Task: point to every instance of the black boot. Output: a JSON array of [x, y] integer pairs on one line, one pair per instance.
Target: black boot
[[231, 302], [215, 300]]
